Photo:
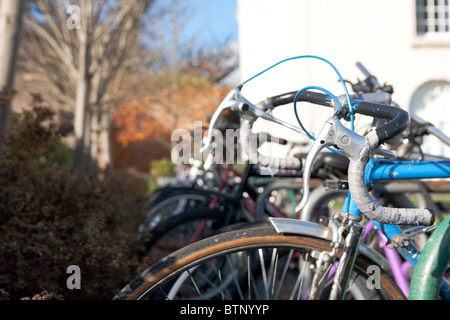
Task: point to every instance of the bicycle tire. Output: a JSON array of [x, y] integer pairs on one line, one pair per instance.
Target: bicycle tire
[[176, 201], [162, 276], [181, 230]]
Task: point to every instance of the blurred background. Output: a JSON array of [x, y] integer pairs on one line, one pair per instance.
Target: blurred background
[[125, 74], [131, 74], [403, 43], [91, 91]]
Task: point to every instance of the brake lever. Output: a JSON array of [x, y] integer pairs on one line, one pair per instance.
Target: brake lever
[[246, 110], [251, 113], [227, 103], [322, 141], [350, 144]]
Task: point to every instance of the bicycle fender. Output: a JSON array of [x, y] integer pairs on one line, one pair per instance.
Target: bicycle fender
[[312, 229]]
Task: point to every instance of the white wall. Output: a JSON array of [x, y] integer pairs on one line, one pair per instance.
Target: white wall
[[378, 33]]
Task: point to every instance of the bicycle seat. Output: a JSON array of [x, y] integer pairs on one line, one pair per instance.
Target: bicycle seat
[[330, 163]]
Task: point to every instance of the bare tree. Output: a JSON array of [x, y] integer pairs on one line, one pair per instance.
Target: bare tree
[[182, 57], [83, 52], [214, 63], [10, 22]]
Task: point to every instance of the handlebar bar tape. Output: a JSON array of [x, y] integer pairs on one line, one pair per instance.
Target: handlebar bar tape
[[368, 205], [399, 119], [373, 210], [285, 98], [248, 142]]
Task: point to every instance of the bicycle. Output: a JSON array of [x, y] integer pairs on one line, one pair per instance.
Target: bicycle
[[174, 200], [318, 244], [318, 202], [407, 146], [191, 213], [427, 283], [201, 212]]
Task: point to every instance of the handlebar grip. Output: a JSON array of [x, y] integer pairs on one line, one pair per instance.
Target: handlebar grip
[[285, 98], [399, 119], [356, 171], [249, 145], [373, 210]]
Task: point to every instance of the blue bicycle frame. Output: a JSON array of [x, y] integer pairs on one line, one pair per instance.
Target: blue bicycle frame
[[388, 170]]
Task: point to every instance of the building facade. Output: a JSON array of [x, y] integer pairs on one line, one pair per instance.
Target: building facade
[[405, 43]]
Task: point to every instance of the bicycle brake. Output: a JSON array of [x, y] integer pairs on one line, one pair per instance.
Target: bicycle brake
[[405, 238], [332, 134], [350, 144]]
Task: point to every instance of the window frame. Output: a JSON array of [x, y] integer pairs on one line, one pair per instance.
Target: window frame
[[432, 38]]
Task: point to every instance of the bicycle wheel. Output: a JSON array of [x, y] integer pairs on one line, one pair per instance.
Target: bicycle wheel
[[252, 263], [323, 202], [181, 230], [176, 201]]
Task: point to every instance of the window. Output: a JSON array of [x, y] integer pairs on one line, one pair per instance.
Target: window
[[432, 18], [431, 102]]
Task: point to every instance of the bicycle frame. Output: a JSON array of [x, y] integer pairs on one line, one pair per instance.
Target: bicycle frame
[[430, 269], [387, 170], [256, 208], [352, 145]]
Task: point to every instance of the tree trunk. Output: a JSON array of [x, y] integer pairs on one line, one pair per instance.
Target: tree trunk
[[91, 50], [105, 164], [10, 25], [82, 113], [93, 154], [81, 123]]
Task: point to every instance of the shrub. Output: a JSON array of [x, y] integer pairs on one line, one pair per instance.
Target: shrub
[[51, 217], [163, 168]]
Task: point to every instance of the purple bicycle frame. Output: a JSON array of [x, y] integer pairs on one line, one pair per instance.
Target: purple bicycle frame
[[399, 268]]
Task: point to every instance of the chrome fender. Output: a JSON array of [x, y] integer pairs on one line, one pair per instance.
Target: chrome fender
[[312, 229]]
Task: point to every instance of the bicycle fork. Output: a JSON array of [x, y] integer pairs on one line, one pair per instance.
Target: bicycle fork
[[347, 261], [343, 266]]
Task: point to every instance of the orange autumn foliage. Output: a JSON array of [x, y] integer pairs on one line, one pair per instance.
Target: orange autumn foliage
[[135, 122], [158, 114]]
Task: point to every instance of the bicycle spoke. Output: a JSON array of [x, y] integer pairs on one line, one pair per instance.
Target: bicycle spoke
[[194, 283], [273, 270], [299, 283], [283, 274], [236, 281], [249, 282], [255, 288], [263, 272], [258, 269], [161, 289]]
